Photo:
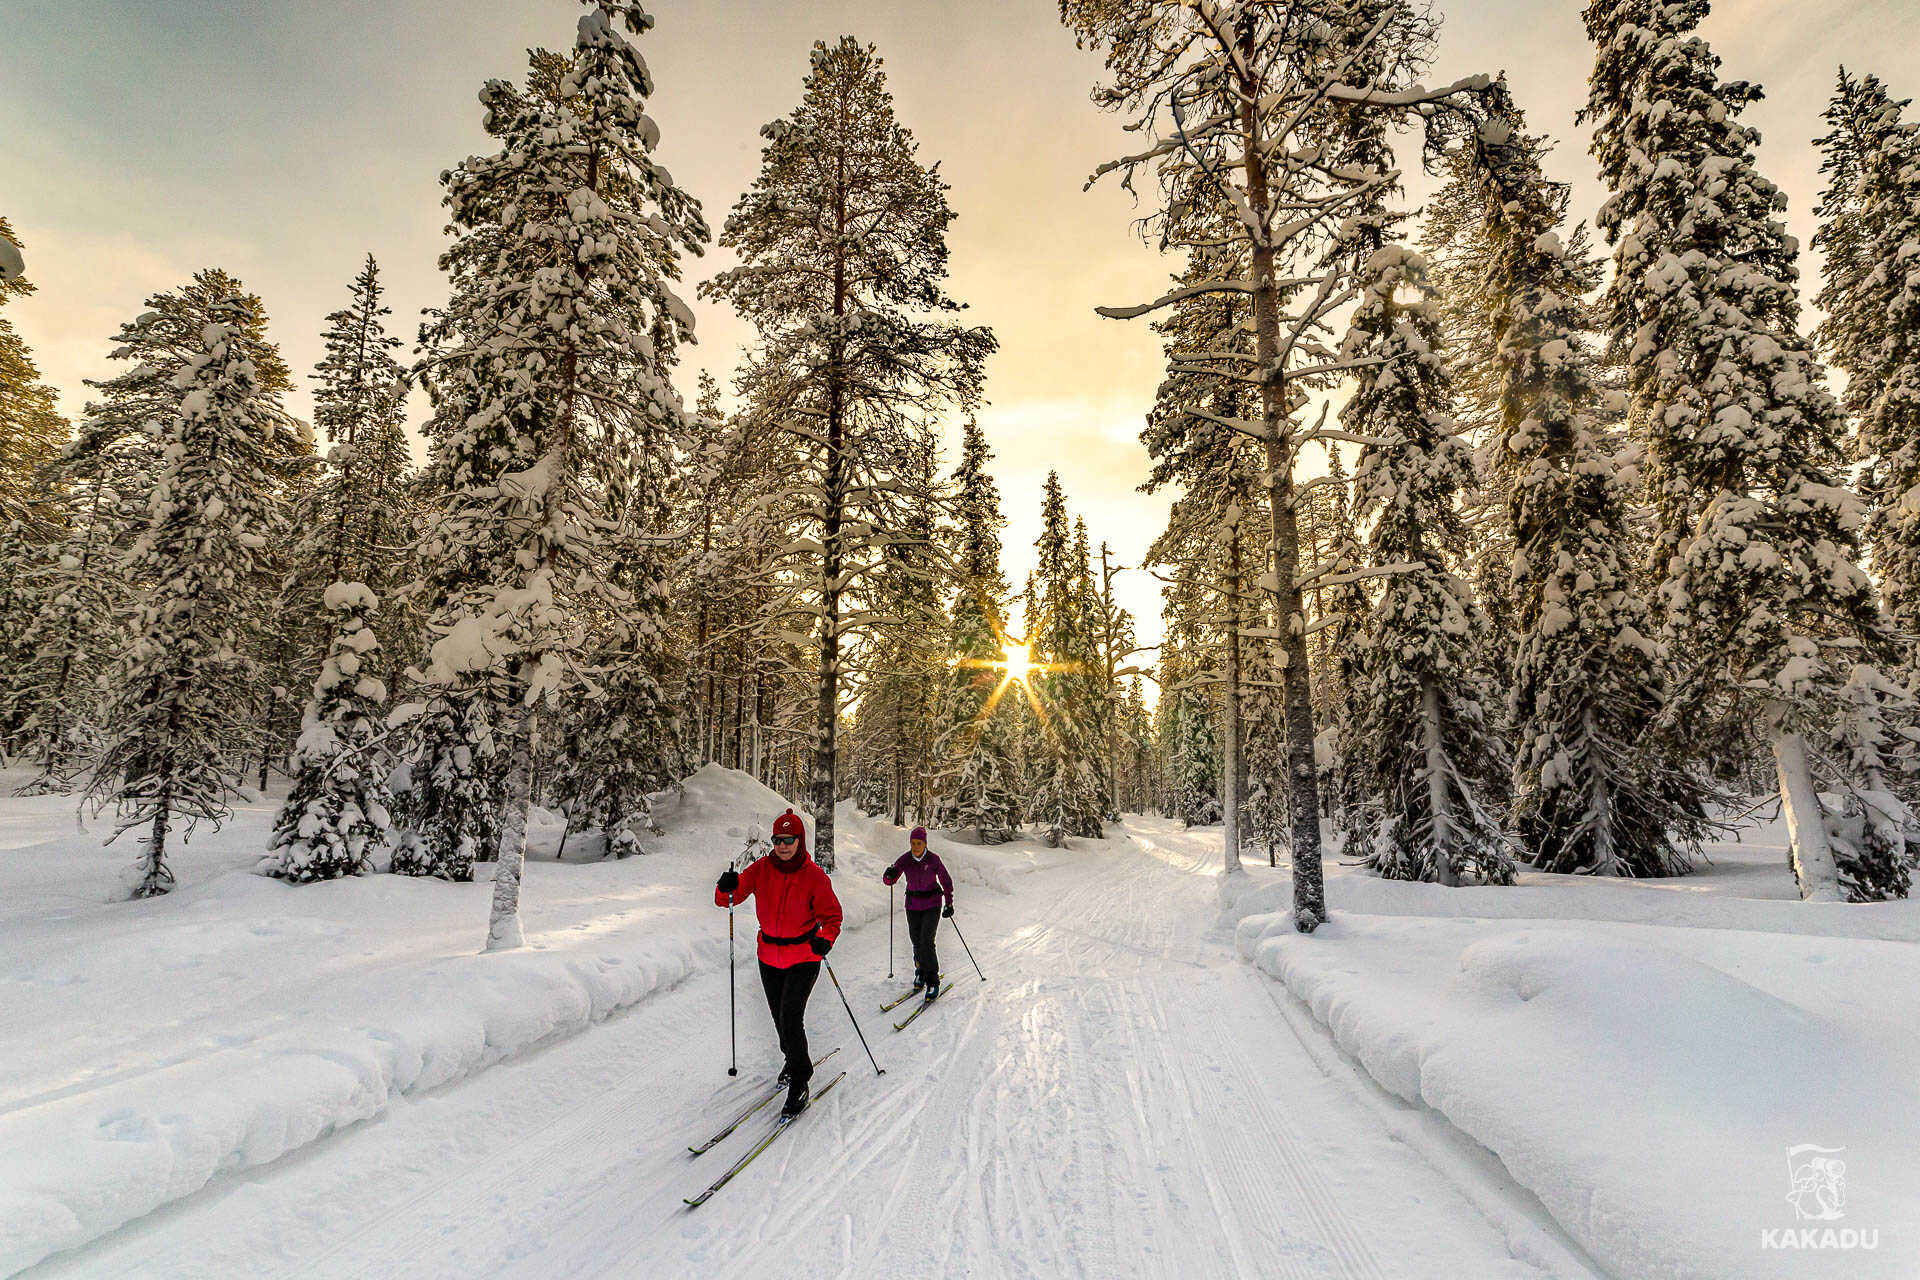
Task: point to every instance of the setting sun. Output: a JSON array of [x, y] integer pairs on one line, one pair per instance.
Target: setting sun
[[1018, 662]]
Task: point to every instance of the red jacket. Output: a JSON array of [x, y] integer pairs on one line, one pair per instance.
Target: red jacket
[[792, 904]]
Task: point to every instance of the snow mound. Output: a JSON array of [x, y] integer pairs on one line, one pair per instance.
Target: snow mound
[[1648, 1084]]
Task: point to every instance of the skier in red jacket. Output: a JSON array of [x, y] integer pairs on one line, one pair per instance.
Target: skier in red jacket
[[799, 921]]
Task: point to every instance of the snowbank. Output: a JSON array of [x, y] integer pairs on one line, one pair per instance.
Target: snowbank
[[1649, 1082], [157, 1045]]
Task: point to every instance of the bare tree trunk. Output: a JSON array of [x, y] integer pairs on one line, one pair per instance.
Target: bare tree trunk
[[1439, 795], [157, 879], [1303, 783], [1807, 846], [1235, 782], [503, 927]]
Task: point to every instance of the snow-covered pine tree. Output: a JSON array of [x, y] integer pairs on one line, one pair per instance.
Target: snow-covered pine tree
[[337, 818], [1767, 609], [977, 776], [1870, 236], [843, 262], [1189, 728], [1594, 787], [176, 727], [566, 318], [1140, 789], [357, 515], [1066, 797], [1422, 743], [1279, 109], [32, 430]]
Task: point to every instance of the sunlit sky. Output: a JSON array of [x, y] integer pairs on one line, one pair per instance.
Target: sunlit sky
[[283, 139]]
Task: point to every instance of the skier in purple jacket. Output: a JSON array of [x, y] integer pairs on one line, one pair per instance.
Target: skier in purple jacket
[[927, 883]]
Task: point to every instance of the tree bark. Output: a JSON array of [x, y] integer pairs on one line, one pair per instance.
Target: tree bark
[[503, 927], [1235, 787], [1303, 783], [1439, 796], [1808, 850]]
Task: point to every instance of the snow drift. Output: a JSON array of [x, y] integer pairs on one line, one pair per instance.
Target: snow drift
[[1647, 1082]]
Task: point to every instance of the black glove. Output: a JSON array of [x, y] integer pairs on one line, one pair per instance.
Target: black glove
[[729, 881], [819, 944], [948, 913], [889, 876]]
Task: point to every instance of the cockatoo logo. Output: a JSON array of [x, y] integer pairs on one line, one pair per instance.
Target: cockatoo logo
[[1817, 1182]]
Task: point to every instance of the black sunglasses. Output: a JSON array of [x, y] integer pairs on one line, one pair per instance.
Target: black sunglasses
[[786, 839]]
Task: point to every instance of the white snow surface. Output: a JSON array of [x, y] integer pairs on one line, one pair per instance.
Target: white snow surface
[[1639, 1055], [296, 1074]]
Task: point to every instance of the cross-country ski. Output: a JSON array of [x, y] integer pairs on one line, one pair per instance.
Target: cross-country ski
[[903, 997], [1342, 575], [780, 1126], [767, 1094], [926, 1003]]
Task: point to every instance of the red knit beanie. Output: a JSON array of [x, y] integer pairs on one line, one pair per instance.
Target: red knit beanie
[[789, 824]]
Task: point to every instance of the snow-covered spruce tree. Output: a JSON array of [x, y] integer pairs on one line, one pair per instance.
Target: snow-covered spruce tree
[[1594, 788], [1066, 797], [356, 515], [1767, 609], [1140, 791], [977, 776], [336, 820], [1189, 731], [1870, 236], [32, 431], [843, 262], [74, 600], [562, 319], [1280, 108], [176, 724], [1422, 743]]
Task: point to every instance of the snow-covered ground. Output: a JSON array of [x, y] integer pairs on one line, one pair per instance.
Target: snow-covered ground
[[247, 1078], [1645, 1057], [155, 1045]]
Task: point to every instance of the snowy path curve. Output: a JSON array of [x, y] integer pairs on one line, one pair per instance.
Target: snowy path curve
[[1123, 1098]]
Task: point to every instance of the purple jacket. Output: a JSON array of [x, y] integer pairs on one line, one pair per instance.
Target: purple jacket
[[927, 880]]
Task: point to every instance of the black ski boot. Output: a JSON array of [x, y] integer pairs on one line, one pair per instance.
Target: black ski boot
[[784, 1079], [933, 991], [797, 1098]]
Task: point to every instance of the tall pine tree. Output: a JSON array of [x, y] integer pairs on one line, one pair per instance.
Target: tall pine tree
[[843, 261]]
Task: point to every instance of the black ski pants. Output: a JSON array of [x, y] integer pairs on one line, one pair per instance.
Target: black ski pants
[[922, 925], [787, 992]]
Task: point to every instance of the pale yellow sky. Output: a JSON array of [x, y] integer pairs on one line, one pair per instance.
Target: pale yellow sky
[[142, 139]]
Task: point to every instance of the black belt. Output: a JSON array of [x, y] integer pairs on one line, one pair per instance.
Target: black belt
[[789, 942]]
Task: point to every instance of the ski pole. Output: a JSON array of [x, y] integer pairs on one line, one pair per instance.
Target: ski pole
[[889, 931], [963, 942], [877, 1068], [733, 1022]]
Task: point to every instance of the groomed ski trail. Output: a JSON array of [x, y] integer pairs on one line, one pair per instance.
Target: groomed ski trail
[[1122, 1098]]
